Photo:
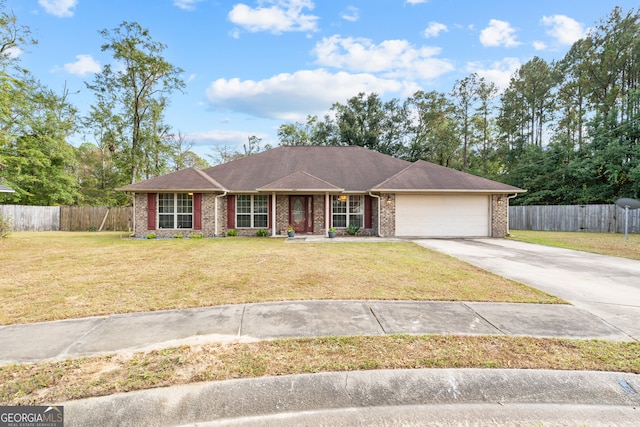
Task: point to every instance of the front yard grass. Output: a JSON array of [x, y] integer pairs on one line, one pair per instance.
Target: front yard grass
[[599, 243], [50, 276], [62, 275], [44, 383]]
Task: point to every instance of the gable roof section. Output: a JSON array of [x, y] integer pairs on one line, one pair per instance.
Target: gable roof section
[[5, 189], [190, 179], [300, 181], [354, 169], [423, 176]]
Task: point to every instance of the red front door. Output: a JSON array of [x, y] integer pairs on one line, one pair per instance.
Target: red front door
[[301, 213]]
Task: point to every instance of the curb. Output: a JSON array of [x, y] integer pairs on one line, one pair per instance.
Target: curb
[[311, 398]]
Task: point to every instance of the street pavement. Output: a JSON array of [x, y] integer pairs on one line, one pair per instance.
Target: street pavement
[[603, 292]]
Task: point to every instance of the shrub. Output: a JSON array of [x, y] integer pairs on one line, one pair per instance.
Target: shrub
[[196, 235], [262, 233], [5, 226], [353, 230], [232, 233], [151, 236]]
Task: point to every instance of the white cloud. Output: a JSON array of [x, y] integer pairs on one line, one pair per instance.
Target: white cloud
[[434, 29], [60, 8], [186, 4], [499, 72], [391, 58], [223, 137], [351, 14], [538, 45], [416, 1], [498, 33], [565, 30], [84, 65], [292, 97], [13, 52], [281, 16]]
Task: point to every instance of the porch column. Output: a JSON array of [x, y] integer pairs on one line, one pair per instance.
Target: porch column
[[327, 212], [274, 217]]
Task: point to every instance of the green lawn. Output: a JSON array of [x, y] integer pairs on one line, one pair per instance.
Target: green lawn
[[68, 275], [57, 381], [62, 275], [600, 243]]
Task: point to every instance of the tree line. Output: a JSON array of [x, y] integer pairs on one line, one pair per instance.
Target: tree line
[[567, 131]]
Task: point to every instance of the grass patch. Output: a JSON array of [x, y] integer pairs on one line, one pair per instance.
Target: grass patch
[[42, 383], [61, 275], [599, 243]]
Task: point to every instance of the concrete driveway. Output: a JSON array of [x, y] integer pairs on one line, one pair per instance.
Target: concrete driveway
[[608, 287]]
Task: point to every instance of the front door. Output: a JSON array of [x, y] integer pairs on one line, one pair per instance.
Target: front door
[[301, 213]]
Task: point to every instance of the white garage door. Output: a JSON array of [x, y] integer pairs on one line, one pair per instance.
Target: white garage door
[[442, 216]]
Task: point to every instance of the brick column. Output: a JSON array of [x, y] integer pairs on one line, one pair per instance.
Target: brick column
[[499, 215]]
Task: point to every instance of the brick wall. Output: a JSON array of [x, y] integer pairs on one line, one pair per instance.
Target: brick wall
[[140, 214], [388, 215], [499, 215], [208, 215], [282, 214]]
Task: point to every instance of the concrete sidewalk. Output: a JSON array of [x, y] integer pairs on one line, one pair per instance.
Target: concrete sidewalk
[[250, 322]]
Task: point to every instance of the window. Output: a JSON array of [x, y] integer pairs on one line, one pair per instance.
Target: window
[[175, 210], [348, 210], [252, 211]]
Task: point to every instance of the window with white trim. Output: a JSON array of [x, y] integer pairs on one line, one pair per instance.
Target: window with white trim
[[347, 210], [252, 211], [175, 210]]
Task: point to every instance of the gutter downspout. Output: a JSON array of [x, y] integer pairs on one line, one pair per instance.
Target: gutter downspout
[[379, 207], [327, 219], [134, 215], [215, 208]]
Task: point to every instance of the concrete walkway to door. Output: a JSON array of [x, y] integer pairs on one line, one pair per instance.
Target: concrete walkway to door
[[608, 287]]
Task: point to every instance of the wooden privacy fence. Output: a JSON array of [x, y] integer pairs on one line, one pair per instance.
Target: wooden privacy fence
[[68, 218], [32, 218], [96, 218], [589, 218]]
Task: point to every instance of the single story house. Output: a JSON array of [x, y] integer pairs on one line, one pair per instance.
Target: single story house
[[315, 188]]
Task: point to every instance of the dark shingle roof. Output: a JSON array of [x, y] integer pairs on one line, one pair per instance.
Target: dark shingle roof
[[332, 169], [350, 168], [425, 176], [183, 180], [300, 181]]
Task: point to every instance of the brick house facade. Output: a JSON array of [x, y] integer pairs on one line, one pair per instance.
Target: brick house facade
[[315, 188]]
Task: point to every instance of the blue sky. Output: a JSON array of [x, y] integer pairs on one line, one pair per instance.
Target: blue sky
[[251, 66]]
